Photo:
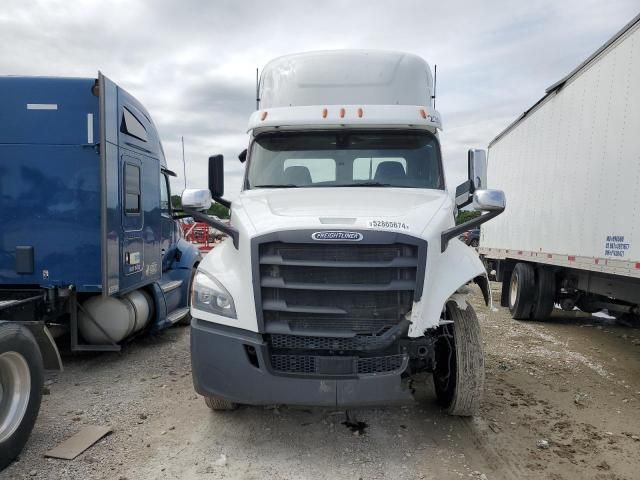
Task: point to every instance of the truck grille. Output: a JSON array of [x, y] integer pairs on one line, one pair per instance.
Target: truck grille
[[325, 306], [320, 287]]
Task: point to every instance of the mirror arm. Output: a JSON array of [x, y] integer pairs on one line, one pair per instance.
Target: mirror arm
[[228, 229], [223, 202], [463, 227]]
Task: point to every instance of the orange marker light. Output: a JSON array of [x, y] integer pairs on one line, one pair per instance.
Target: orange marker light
[[423, 114], [263, 116], [342, 112], [360, 113], [325, 112]]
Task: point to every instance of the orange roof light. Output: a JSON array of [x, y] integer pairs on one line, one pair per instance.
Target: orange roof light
[[263, 116], [325, 112], [342, 112], [423, 114], [360, 113]]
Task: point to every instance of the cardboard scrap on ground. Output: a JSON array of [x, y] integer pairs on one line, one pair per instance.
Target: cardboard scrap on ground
[[74, 446]]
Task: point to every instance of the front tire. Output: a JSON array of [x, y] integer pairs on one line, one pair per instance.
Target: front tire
[[521, 290], [459, 373], [21, 381]]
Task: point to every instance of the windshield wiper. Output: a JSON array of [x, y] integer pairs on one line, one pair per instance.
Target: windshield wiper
[[365, 184], [289, 185]]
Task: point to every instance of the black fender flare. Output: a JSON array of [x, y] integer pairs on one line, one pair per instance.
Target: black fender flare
[[48, 349], [483, 282]]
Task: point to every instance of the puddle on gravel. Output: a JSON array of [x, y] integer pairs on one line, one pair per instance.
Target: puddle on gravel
[[354, 425]]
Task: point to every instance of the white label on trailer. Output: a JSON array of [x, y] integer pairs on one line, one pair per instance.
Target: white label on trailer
[[616, 246], [42, 106], [89, 127]]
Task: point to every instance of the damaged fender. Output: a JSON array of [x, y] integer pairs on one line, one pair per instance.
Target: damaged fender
[[446, 273]]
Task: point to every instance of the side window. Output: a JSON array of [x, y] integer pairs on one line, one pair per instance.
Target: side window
[[132, 126], [320, 169], [131, 189], [365, 168], [164, 193]]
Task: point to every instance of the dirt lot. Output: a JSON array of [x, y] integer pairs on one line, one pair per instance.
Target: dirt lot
[[562, 402]]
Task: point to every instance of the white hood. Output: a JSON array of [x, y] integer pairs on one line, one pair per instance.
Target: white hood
[[401, 209]]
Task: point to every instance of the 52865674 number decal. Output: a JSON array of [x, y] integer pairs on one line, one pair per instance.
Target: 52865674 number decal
[[388, 224]]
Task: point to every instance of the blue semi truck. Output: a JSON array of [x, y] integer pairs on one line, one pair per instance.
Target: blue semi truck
[[89, 243]]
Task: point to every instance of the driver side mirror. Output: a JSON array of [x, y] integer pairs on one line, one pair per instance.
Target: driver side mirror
[[196, 199], [216, 176], [477, 177]]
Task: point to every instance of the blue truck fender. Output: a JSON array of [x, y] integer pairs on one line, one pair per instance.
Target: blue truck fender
[[188, 257]]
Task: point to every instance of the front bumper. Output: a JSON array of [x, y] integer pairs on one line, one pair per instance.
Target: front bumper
[[222, 366]]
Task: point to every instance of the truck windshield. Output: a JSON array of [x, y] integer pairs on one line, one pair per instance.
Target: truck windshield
[[339, 159]]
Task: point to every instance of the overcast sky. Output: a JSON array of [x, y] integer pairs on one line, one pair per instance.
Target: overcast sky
[[192, 62]]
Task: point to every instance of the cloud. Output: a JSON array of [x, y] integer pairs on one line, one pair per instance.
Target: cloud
[[192, 63]]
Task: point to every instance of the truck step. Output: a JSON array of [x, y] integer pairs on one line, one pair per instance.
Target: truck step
[[169, 286], [177, 314]]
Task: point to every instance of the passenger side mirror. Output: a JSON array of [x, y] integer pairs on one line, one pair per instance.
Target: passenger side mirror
[[477, 177], [489, 200], [477, 169], [243, 156], [216, 176], [198, 200]]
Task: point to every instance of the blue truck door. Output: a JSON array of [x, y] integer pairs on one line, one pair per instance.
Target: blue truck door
[[131, 192], [140, 185]]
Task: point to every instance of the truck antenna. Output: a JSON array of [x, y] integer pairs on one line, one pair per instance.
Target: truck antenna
[[257, 90], [435, 83], [184, 165]]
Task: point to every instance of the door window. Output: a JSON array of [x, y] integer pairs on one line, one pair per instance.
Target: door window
[[164, 194], [132, 189]]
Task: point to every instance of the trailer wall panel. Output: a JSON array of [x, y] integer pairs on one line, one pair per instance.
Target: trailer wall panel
[[570, 169]]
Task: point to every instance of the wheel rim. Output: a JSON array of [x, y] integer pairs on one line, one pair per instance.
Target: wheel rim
[[15, 390], [445, 372], [513, 290]]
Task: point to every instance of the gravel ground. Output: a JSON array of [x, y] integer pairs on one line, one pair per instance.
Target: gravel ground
[[562, 401]]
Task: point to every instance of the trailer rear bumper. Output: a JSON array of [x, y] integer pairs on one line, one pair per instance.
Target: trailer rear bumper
[[224, 364]]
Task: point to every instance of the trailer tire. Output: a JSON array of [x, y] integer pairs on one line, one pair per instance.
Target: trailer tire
[[21, 381], [521, 291], [458, 376], [545, 294], [219, 404]]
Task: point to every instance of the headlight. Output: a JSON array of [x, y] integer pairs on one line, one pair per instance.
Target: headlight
[[210, 296]]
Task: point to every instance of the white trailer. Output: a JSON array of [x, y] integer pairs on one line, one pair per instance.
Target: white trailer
[[570, 166]]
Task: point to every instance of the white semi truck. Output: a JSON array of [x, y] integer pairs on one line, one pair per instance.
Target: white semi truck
[[570, 166], [342, 275]]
